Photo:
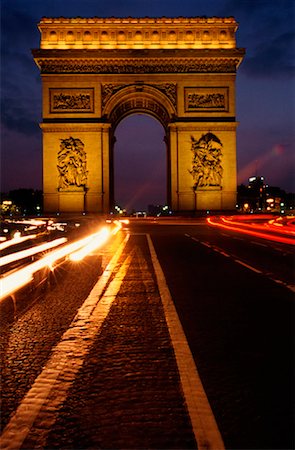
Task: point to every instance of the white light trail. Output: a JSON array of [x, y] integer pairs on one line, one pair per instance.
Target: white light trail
[[31, 251], [16, 240], [96, 241], [14, 281]]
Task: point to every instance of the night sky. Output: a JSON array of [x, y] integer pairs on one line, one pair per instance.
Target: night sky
[[264, 100]]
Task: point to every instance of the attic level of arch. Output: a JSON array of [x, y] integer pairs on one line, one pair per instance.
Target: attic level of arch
[[134, 33]]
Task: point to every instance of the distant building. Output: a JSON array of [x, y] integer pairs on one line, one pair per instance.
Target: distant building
[[259, 196]]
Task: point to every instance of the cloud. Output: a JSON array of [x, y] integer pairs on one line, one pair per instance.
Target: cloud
[[273, 58], [266, 31], [21, 93]]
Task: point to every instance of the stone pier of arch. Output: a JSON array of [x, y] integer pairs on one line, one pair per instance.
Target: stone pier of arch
[[97, 71]]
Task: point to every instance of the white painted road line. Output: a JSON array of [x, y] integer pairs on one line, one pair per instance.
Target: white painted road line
[[247, 265], [224, 253], [258, 243], [206, 244], [242, 263], [204, 425]]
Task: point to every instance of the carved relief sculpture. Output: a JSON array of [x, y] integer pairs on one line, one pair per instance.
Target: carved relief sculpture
[[169, 89], [206, 165], [71, 164], [71, 100], [206, 99], [98, 70]]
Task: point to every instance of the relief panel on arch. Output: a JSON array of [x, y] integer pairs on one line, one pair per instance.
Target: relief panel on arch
[[71, 165], [206, 99], [207, 169], [69, 100]]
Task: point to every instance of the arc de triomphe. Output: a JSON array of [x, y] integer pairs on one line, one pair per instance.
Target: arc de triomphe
[[96, 71]]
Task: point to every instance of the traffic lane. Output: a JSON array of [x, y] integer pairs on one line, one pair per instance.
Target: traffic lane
[[35, 321], [274, 259], [128, 393], [239, 326]]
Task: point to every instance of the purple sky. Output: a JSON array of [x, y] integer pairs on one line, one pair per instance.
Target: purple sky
[[264, 100]]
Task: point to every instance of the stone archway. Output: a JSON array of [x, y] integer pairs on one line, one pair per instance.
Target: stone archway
[[119, 101], [97, 71]]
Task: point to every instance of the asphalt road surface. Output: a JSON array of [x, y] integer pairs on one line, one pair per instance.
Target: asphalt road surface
[[234, 295]]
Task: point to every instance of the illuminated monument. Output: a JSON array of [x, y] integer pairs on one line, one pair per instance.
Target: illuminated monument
[[96, 71]]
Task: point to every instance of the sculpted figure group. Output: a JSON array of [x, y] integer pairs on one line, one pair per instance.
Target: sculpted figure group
[[206, 166], [71, 163]]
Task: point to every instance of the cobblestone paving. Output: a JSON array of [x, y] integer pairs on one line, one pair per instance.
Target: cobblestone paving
[[25, 344], [127, 394]]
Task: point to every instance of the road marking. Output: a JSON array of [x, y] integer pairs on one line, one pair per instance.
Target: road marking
[[247, 265], [203, 421], [224, 253], [291, 287], [66, 360], [206, 244], [258, 243], [228, 255]]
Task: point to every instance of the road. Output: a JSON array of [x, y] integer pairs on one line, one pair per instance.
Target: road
[[234, 296]]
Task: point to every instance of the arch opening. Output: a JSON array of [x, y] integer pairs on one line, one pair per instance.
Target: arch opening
[[139, 169]]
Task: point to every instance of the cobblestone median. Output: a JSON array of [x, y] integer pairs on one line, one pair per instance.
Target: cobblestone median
[[127, 394]]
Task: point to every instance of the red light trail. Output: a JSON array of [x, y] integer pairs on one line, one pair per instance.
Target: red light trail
[[253, 229]]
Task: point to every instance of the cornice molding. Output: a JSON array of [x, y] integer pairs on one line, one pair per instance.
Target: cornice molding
[[73, 127], [213, 126]]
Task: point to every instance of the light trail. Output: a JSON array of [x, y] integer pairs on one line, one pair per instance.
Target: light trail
[[281, 227], [12, 257], [264, 227], [16, 240], [96, 241], [18, 279], [269, 236], [37, 222]]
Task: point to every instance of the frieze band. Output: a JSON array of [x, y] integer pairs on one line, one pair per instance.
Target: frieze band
[[142, 65]]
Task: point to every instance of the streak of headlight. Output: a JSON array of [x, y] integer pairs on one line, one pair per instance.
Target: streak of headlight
[[14, 281], [97, 241], [28, 222], [270, 237], [30, 251], [259, 227], [118, 227], [16, 240]]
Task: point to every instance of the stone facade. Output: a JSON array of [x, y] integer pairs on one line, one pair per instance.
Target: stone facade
[[97, 71]]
